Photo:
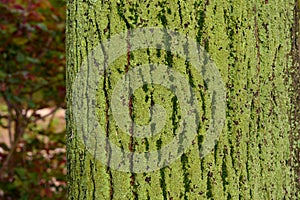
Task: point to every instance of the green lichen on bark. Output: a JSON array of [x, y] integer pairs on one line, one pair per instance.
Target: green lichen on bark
[[249, 43]]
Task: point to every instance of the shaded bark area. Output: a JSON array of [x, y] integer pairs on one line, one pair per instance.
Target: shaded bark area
[[250, 44], [295, 100]]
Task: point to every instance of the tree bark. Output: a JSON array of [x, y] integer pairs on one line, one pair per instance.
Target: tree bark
[[250, 43]]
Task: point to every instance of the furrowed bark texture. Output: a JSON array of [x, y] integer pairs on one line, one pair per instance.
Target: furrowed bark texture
[[295, 99], [250, 42]]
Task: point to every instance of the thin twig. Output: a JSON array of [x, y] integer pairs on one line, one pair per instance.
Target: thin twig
[[43, 117]]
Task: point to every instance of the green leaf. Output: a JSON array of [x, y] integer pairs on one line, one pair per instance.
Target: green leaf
[[33, 60], [20, 57], [21, 172], [31, 104], [18, 99], [20, 41], [33, 177], [2, 75], [42, 26]]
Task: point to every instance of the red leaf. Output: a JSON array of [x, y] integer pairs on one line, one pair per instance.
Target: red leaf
[[2, 87], [3, 27], [34, 16], [18, 7]]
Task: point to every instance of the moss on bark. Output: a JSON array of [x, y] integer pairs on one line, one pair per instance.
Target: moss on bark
[[249, 41]]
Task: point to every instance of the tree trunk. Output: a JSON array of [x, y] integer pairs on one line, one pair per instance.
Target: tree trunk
[[249, 44]]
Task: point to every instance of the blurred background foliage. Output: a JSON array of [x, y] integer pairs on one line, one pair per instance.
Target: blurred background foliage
[[32, 99]]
